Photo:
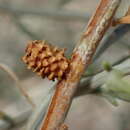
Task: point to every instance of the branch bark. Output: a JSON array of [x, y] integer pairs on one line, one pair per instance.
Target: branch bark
[[81, 58]]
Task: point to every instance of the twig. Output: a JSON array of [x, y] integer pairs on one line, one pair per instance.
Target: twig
[[15, 78], [81, 58], [123, 20], [88, 86], [55, 14], [123, 58]]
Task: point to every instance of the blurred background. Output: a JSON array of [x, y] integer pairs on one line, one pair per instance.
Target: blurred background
[[61, 22]]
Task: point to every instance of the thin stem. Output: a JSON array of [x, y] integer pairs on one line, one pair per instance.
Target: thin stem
[[123, 58], [89, 85], [123, 20], [15, 78]]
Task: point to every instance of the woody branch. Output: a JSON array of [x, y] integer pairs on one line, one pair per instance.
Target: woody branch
[[81, 58]]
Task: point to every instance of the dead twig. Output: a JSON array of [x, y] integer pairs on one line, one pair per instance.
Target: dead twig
[[124, 20], [15, 78], [81, 58]]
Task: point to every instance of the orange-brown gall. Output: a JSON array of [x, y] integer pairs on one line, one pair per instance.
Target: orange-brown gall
[[46, 60]]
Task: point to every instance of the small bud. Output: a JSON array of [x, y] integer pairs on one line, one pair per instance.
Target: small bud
[[107, 66]]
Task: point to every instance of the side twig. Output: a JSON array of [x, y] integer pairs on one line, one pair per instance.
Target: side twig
[[80, 60], [119, 61], [87, 86]]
